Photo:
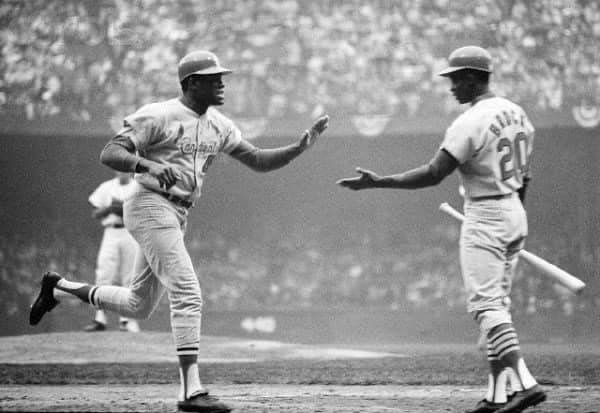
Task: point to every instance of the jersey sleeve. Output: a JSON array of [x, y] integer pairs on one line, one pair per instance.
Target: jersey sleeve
[[459, 142], [233, 137], [142, 127], [100, 198]]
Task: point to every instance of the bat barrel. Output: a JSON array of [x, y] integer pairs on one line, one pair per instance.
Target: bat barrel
[[551, 271]]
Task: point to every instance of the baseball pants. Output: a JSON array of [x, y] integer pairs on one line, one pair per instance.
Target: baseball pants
[[162, 264], [492, 234]]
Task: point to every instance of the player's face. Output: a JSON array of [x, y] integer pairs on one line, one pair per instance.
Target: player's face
[[462, 87], [208, 89]]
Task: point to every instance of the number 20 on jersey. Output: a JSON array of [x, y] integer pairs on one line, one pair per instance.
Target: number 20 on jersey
[[514, 161]]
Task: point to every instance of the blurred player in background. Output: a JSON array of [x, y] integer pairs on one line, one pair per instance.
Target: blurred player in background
[[170, 145], [116, 255], [490, 144]]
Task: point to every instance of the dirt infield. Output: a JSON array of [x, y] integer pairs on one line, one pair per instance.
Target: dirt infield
[[281, 398], [119, 372], [153, 347]]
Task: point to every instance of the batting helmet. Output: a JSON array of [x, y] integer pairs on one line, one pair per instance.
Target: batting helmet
[[200, 62], [468, 57]]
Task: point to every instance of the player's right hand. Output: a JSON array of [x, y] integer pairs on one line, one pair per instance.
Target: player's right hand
[[309, 137], [166, 175], [367, 179]]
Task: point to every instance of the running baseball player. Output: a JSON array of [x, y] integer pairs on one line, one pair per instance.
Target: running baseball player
[[490, 144], [116, 255], [170, 145]]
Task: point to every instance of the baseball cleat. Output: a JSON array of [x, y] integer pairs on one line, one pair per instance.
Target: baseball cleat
[[204, 403], [524, 399], [45, 301], [484, 406], [95, 326]]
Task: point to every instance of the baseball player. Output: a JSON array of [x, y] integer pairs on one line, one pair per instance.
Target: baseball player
[[116, 255], [170, 145], [490, 144]]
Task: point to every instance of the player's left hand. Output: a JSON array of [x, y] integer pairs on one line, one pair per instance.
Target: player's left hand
[[309, 137], [367, 179]]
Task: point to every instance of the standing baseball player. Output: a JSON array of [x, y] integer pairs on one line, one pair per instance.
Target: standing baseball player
[[170, 145], [116, 255], [490, 144]]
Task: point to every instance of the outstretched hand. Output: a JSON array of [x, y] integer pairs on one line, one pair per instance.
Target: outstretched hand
[[367, 179], [309, 137]]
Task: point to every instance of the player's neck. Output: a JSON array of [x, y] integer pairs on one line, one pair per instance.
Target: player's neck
[[485, 94], [199, 108]]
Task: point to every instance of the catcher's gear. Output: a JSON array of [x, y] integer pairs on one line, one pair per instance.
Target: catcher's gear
[[468, 57], [200, 62]]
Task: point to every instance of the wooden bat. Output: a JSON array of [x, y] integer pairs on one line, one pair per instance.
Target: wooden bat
[[549, 270]]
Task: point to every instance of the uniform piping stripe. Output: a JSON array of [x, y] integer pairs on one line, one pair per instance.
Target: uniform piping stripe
[[187, 349], [502, 349], [491, 353], [500, 334], [509, 350], [93, 296], [502, 340]]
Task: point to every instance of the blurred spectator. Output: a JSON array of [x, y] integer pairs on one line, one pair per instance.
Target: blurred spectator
[[102, 58], [298, 272]]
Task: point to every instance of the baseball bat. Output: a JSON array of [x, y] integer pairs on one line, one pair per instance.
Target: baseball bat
[[551, 271]]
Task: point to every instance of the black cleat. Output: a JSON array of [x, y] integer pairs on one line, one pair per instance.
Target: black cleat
[[95, 326], [45, 300], [524, 399], [483, 406], [203, 403]]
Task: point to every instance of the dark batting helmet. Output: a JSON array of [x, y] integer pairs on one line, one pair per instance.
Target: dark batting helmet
[[200, 62], [468, 57]]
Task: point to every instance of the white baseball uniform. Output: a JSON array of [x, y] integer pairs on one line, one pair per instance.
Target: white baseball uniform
[[492, 141], [170, 133], [118, 249]]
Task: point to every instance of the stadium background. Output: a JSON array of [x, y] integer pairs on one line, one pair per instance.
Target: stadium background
[[326, 264]]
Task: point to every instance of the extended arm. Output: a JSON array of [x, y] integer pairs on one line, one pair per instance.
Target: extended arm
[[119, 154], [264, 160], [432, 173], [115, 208]]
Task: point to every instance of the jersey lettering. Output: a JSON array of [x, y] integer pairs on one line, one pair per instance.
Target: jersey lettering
[[514, 155], [207, 163], [492, 140], [188, 147], [505, 148], [495, 130], [521, 152]]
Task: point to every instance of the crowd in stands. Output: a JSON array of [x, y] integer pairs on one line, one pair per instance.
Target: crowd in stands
[[295, 273], [89, 59]]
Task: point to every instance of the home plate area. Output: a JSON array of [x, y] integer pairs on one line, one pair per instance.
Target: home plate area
[[121, 372]]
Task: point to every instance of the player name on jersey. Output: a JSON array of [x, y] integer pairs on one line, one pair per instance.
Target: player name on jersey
[[504, 119]]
